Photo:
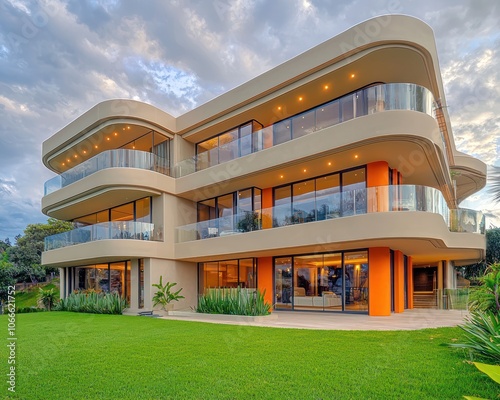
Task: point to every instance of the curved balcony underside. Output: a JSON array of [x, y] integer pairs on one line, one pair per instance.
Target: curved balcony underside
[[470, 175], [424, 236], [103, 251], [105, 188], [408, 140]]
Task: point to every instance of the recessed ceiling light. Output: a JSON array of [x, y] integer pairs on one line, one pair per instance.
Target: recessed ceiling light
[[329, 163], [355, 156], [107, 138], [96, 146], [281, 176], [84, 151], [116, 133], [279, 107], [305, 170], [326, 87], [352, 75], [68, 160], [76, 156], [300, 98]]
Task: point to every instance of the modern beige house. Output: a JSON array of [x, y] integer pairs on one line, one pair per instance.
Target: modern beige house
[[332, 182]]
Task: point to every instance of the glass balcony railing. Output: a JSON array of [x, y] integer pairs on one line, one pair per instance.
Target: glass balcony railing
[[106, 230], [338, 205], [374, 99], [119, 158]]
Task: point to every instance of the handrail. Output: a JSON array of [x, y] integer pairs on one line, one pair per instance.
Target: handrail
[[118, 158], [105, 230], [395, 198]]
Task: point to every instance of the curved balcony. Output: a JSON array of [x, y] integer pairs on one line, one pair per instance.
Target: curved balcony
[[119, 158], [371, 100], [106, 230], [339, 205]]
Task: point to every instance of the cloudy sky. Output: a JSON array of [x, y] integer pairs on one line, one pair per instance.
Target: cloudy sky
[[58, 59]]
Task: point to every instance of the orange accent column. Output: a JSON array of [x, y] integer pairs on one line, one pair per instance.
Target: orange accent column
[[265, 277], [410, 283], [377, 174], [267, 203], [379, 282], [399, 282]]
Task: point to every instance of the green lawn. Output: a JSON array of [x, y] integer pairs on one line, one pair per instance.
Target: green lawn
[[28, 298], [82, 356]]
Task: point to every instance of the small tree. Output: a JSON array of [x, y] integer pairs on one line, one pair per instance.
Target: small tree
[[48, 298], [164, 295]]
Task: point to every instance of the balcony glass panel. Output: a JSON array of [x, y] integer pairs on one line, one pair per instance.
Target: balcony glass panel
[[102, 231], [120, 158], [343, 204], [379, 98]]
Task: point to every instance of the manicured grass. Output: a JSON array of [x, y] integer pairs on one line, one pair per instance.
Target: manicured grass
[[29, 298], [64, 355]]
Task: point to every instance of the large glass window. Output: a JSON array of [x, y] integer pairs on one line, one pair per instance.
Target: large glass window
[[353, 192], [240, 273], [356, 281], [283, 283], [141, 282], [304, 202], [328, 197], [328, 115], [303, 124], [282, 132], [282, 206], [322, 282], [223, 215]]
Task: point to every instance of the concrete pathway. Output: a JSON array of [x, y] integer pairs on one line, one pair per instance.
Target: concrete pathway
[[409, 320]]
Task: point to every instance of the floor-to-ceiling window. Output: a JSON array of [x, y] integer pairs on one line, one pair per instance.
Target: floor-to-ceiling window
[[103, 278], [322, 282], [331, 196], [230, 213], [235, 273]]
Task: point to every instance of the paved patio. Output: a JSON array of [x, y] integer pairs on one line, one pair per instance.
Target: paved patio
[[409, 320]]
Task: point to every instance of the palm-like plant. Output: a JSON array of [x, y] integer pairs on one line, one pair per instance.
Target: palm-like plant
[[494, 181], [48, 298], [164, 295]]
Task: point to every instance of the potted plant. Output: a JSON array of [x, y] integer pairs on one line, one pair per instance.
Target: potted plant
[[164, 296]]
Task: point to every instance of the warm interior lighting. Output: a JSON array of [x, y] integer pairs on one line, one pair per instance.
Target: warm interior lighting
[[116, 133], [305, 170], [76, 156], [329, 163], [84, 151], [281, 176], [352, 75], [96, 146], [68, 160], [128, 127], [63, 164], [326, 87], [355, 156], [107, 138], [279, 108], [300, 98]]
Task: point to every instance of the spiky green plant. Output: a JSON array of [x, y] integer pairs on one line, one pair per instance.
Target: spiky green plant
[[92, 302], [486, 297], [233, 301], [483, 335]]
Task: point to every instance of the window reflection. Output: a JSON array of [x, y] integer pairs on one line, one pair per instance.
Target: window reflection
[[236, 273], [322, 282]]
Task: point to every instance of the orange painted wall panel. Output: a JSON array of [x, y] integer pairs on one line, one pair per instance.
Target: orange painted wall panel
[[265, 277], [399, 282], [410, 283], [377, 175], [267, 203], [379, 282]]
